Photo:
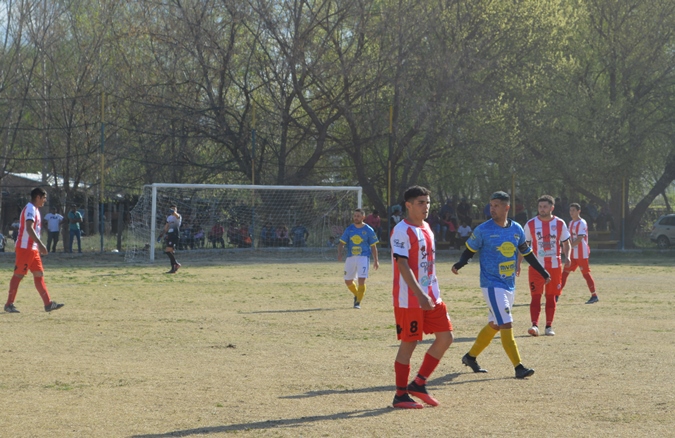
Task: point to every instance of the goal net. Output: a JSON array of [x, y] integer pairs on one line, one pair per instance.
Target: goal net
[[233, 221]]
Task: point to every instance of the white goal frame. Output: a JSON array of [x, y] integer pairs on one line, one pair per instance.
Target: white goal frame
[[155, 186]]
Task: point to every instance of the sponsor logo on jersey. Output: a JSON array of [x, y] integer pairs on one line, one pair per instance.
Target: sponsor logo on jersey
[[507, 269], [425, 265], [507, 249]]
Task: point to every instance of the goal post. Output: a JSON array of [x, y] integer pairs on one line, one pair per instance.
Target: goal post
[[224, 218]]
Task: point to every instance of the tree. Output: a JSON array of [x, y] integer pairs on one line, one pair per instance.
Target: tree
[[608, 115]]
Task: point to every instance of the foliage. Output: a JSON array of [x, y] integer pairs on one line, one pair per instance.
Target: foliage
[[571, 97]]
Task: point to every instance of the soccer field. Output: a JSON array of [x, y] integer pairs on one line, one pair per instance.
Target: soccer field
[[276, 349]]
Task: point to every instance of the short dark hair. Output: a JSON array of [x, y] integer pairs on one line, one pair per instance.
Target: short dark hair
[[415, 192], [576, 206], [501, 196], [360, 210], [546, 198], [38, 192]]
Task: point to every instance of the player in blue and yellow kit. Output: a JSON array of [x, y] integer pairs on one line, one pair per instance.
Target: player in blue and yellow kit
[[360, 240], [498, 240]]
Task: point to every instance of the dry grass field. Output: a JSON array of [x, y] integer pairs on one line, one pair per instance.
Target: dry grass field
[[275, 349]]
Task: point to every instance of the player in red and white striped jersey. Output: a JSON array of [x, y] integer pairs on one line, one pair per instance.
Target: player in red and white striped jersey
[[418, 307], [546, 233], [28, 250], [580, 251]]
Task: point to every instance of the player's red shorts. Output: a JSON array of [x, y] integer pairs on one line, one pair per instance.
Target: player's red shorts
[[412, 324], [537, 282], [27, 260], [582, 264]]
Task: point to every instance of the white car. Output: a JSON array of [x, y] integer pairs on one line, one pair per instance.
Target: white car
[[663, 232]]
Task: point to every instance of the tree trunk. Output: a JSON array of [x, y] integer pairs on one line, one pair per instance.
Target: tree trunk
[[635, 216]]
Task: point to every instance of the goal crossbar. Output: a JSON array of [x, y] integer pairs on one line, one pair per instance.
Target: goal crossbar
[[252, 187]]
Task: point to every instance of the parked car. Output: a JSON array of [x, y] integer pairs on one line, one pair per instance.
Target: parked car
[[663, 232]]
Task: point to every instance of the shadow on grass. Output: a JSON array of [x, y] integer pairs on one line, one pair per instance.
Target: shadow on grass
[[440, 380], [270, 424], [294, 422]]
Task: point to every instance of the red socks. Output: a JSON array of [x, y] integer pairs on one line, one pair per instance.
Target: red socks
[[535, 309], [550, 310], [564, 279], [428, 366], [13, 288], [402, 374], [42, 288]]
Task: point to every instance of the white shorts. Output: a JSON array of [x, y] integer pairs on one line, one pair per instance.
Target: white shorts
[[500, 304], [356, 266]]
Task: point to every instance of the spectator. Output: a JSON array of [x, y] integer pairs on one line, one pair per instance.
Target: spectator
[[434, 221], [396, 216], [199, 237], [233, 234], [187, 239], [245, 240], [281, 237], [2, 243], [216, 235], [267, 235], [75, 219], [463, 234], [448, 228], [331, 242], [53, 228], [299, 233], [15, 228], [464, 211], [375, 222], [447, 208]]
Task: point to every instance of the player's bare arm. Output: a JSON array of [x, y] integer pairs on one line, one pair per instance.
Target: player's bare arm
[[376, 261], [567, 248], [409, 278], [577, 240], [30, 229], [340, 247]]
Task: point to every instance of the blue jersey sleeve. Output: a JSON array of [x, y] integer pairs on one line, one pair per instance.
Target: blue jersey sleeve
[[345, 235], [475, 242], [372, 236]]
